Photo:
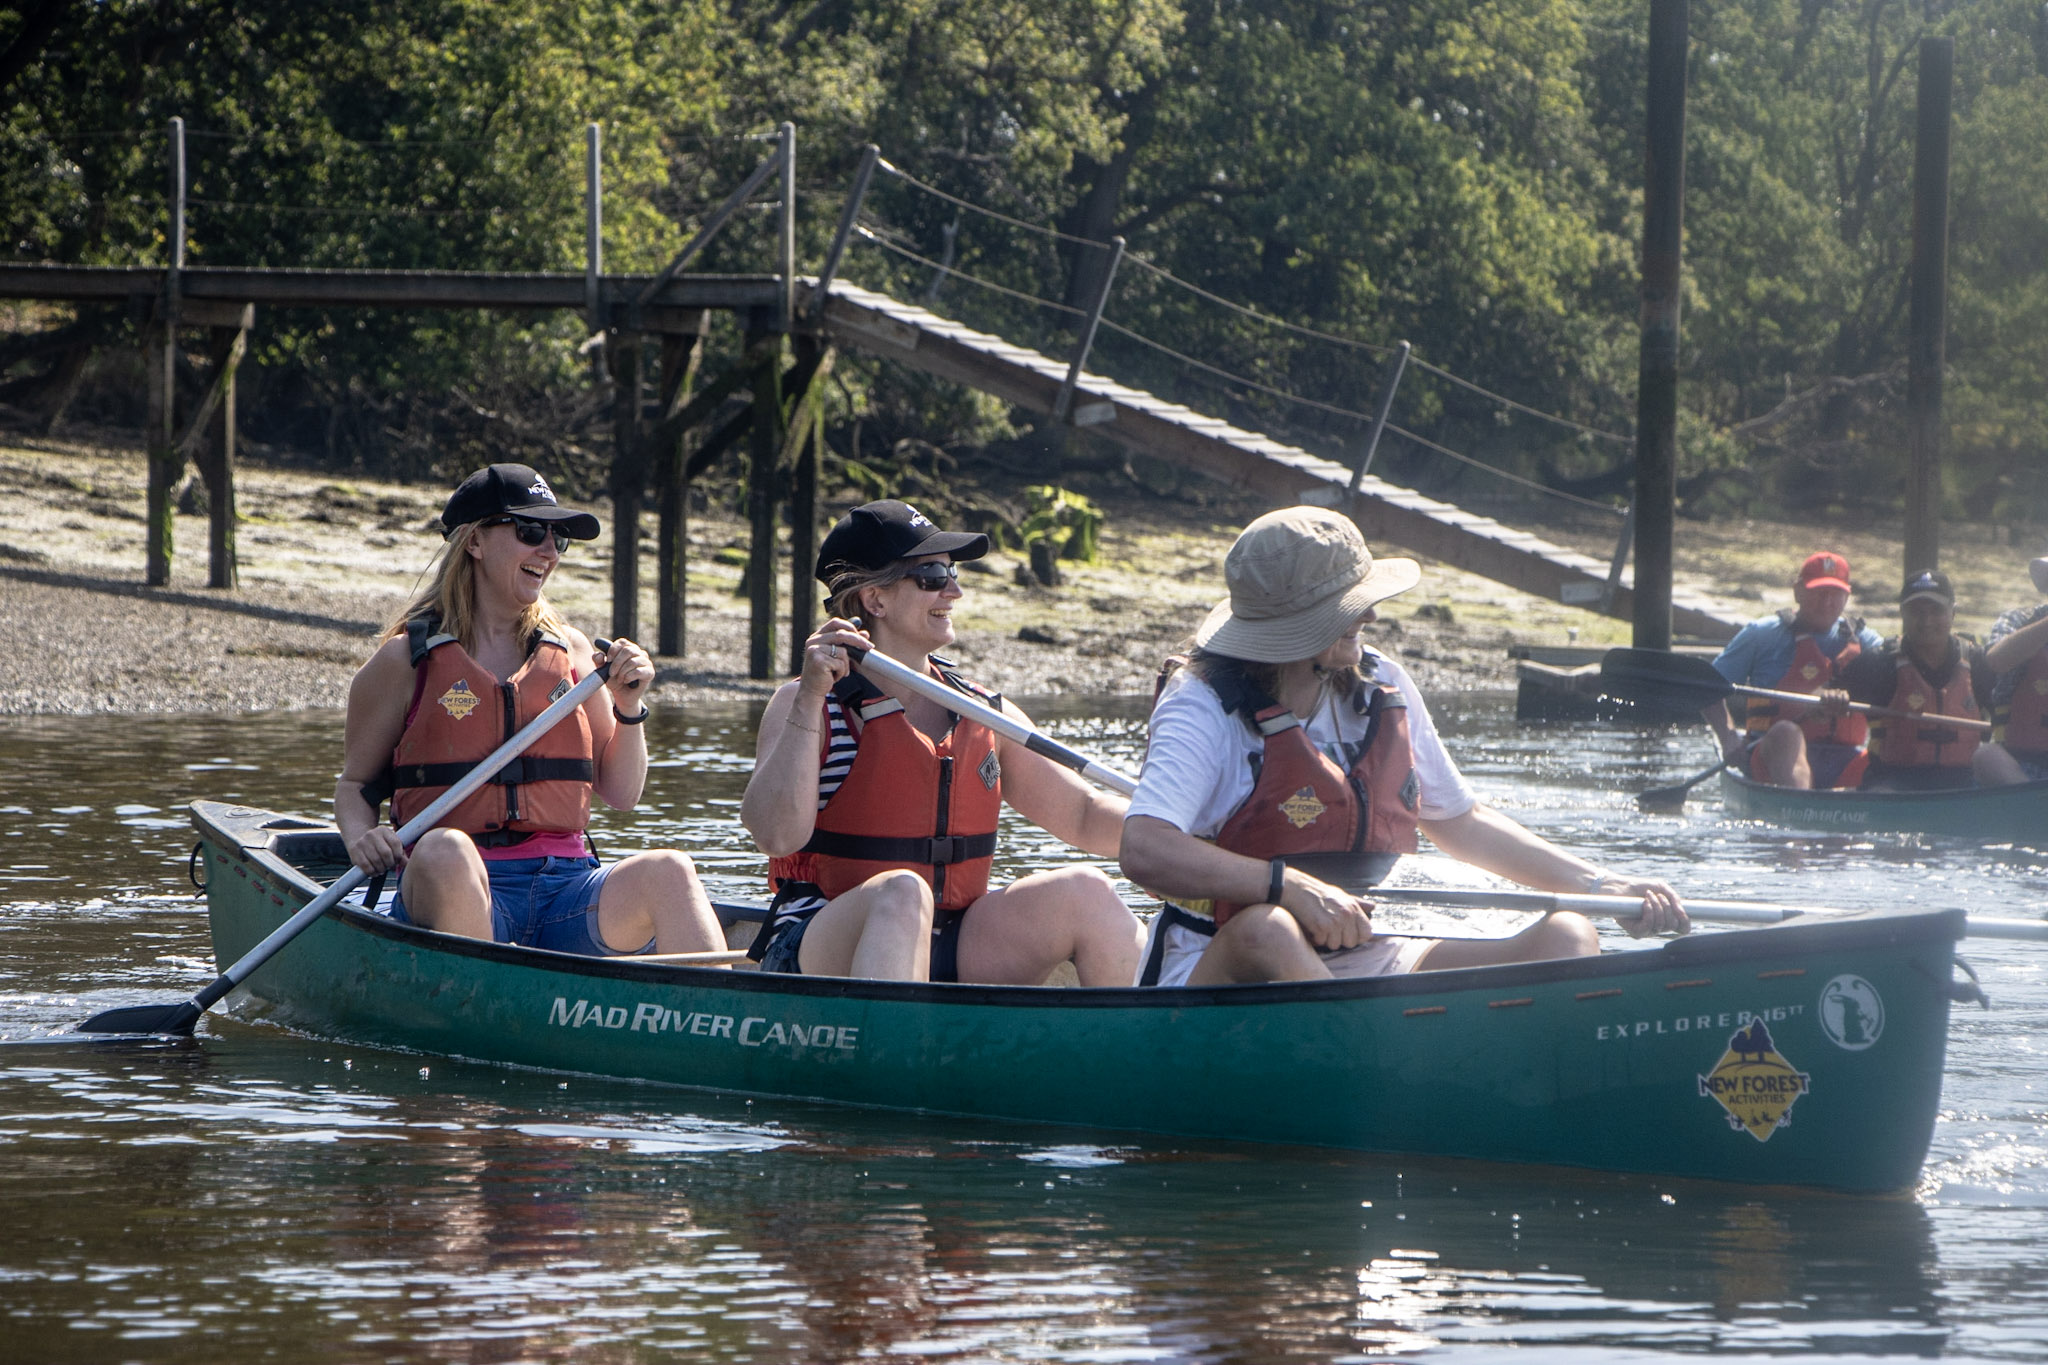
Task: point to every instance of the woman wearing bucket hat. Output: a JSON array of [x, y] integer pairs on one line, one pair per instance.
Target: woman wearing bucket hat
[[878, 808], [1287, 760], [511, 863]]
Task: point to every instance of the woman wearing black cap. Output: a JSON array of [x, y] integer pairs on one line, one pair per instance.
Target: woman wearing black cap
[[878, 809], [511, 862]]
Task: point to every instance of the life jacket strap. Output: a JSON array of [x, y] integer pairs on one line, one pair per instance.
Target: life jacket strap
[[935, 852], [520, 771]]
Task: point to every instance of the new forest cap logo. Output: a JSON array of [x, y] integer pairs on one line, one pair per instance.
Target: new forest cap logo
[[539, 488], [1755, 1085]]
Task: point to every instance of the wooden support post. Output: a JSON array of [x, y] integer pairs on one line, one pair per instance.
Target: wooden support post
[[1928, 313], [1657, 364], [680, 353], [217, 462], [801, 454], [764, 359], [628, 482], [160, 348]]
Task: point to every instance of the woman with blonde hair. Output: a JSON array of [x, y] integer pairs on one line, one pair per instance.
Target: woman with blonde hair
[[474, 658], [878, 807]]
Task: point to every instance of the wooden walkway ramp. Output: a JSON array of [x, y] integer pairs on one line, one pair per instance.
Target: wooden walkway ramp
[[913, 336]]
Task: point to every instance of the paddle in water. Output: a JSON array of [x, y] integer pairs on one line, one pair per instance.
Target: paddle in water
[[1672, 797], [180, 1018]]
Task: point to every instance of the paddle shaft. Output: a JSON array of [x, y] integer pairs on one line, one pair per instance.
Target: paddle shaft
[[408, 834], [1865, 708], [1706, 911], [878, 665]]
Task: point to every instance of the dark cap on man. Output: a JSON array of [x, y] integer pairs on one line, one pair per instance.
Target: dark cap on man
[[877, 534], [515, 489], [1824, 570], [1931, 583]]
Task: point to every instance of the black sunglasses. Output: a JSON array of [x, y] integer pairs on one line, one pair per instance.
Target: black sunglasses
[[532, 532], [934, 577]]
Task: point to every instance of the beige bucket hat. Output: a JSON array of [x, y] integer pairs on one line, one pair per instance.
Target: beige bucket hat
[[1298, 579]]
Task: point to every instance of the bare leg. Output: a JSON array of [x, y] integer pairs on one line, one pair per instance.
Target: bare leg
[[881, 930], [1017, 935], [1258, 943], [1993, 766], [657, 895], [445, 886], [1563, 934], [1782, 757]]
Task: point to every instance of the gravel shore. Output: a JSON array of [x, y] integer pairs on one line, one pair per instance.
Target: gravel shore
[[325, 562]]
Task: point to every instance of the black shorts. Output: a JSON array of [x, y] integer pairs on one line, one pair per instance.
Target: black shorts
[[790, 915]]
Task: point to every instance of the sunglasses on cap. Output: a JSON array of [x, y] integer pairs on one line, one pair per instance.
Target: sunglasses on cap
[[934, 577], [531, 532]]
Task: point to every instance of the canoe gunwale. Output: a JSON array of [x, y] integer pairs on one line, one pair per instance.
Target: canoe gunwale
[[240, 833], [1880, 800]]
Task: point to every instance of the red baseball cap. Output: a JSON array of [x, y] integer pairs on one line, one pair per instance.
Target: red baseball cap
[[1824, 570]]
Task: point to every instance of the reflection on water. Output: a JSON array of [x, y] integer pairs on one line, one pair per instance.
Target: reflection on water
[[257, 1192]]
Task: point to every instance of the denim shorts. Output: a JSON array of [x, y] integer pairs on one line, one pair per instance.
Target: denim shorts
[[544, 903]]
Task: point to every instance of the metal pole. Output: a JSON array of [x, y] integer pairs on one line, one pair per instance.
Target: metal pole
[[1388, 383], [1929, 310], [1612, 588], [1066, 398], [785, 261], [870, 156], [593, 226], [1657, 367]]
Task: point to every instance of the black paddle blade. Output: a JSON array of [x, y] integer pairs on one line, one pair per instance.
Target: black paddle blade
[[1655, 675], [165, 1019], [1672, 798]]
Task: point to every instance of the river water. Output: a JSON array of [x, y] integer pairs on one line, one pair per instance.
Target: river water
[[254, 1194]]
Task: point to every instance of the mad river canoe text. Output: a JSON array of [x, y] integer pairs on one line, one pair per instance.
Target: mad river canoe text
[[748, 1032]]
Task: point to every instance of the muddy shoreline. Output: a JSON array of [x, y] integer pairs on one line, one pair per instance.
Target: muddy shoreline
[[326, 561]]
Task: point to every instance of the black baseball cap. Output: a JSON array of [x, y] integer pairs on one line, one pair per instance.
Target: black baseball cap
[[877, 534], [497, 489], [1928, 583]]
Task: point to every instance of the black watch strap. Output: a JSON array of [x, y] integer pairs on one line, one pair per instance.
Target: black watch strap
[[625, 719]]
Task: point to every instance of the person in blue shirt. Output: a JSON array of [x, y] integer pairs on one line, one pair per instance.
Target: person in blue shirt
[[1802, 649]]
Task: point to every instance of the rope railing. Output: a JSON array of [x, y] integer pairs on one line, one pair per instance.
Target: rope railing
[[868, 234]]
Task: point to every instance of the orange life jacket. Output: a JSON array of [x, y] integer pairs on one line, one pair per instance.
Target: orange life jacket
[[906, 802], [1810, 671], [461, 712], [2025, 716], [1900, 742], [1301, 803]]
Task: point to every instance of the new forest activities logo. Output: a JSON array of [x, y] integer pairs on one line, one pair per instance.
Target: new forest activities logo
[[1755, 1085], [458, 701]]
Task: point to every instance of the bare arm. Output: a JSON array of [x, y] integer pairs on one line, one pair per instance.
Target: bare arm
[[618, 752], [377, 699], [1171, 862], [1059, 800], [1715, 714], [2010, 651], [1487, 839], [780, 807]]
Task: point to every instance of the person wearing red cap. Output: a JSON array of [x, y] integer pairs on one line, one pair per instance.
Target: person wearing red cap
[[2017, 654], [878, 807], [475, 656], [1801, 649]]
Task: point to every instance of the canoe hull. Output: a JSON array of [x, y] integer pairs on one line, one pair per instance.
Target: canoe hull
[[1990, 815], [1648, 1061]]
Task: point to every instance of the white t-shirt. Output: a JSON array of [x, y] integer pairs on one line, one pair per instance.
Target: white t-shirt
[[1198, 756]]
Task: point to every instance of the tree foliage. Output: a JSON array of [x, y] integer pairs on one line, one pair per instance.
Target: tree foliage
[[1462, 174]]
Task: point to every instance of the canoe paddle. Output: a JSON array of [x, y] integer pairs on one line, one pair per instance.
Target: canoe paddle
[[1672, 797], [1629, 673], [180, 1018], [879, 665], [876, 664]]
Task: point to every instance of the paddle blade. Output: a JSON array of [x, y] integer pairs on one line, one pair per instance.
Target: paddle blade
[[1663, 800], [1654, 674], [164, 1019]]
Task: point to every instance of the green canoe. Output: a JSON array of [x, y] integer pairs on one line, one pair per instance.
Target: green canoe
[[1805, 1054], [1990, 815]]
